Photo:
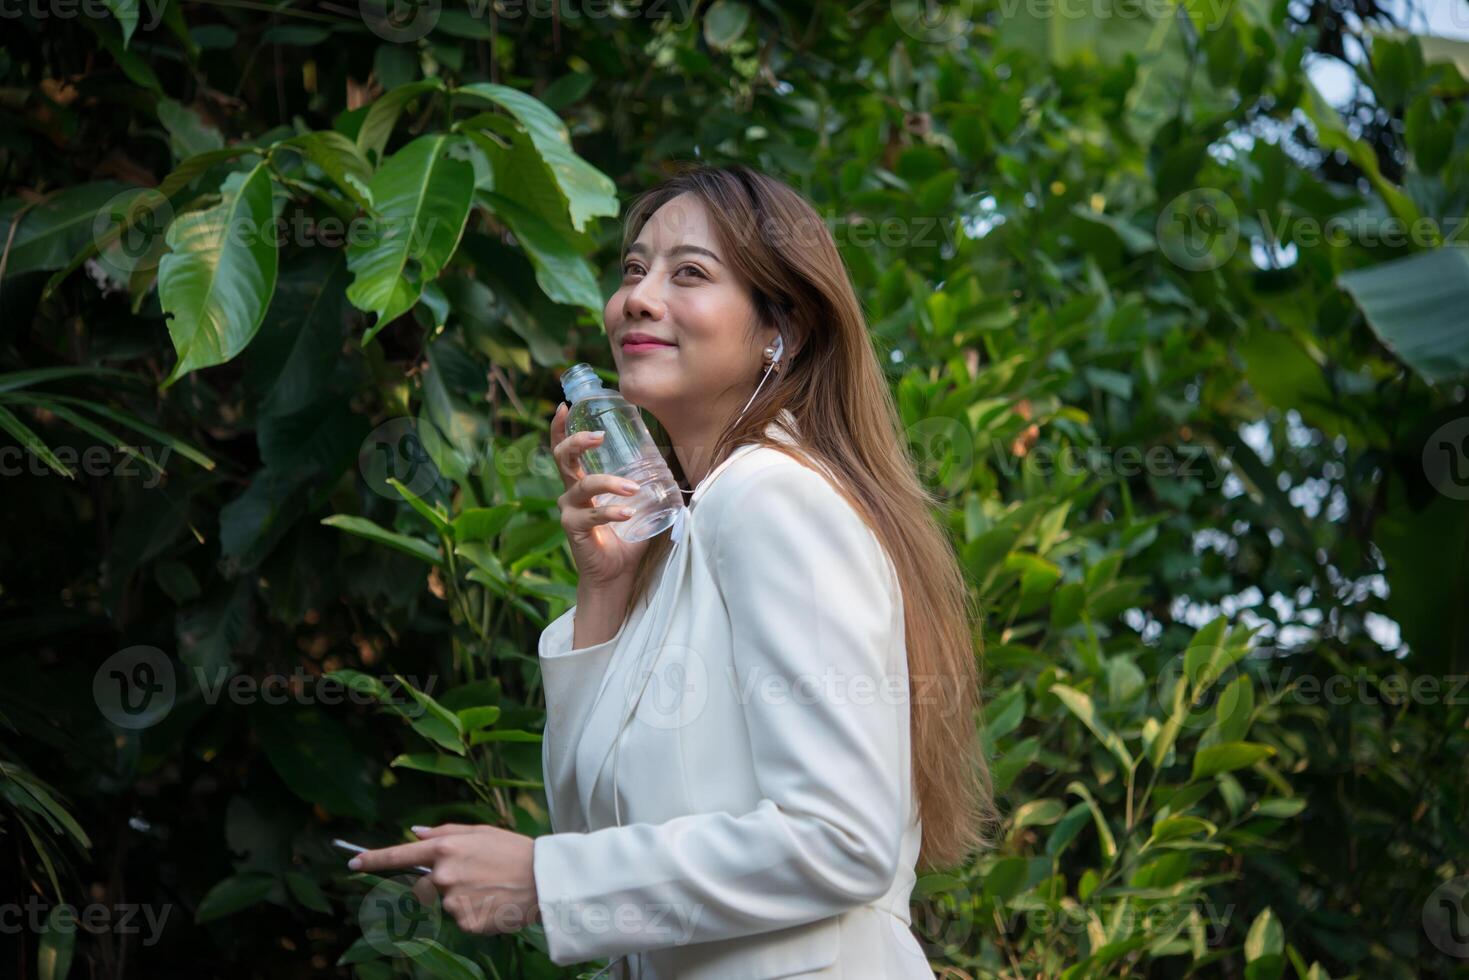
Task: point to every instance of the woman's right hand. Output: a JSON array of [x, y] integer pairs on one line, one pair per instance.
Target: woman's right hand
[[603, 560]]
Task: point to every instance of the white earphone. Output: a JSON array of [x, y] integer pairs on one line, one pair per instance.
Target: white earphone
[[780, 349]]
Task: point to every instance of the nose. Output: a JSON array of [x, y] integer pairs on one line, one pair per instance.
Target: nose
[[643, 301]]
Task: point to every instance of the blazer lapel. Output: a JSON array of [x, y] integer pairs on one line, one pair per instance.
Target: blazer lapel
[[604, 727]]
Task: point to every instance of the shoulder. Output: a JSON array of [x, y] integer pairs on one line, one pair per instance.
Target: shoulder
[[770, 498], [766, 474]]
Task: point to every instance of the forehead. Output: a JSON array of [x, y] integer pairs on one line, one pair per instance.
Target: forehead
[[682, 220]]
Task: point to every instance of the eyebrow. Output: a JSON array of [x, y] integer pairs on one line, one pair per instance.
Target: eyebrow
[[640, 248]]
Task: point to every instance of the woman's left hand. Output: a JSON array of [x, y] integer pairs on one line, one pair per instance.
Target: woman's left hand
[[483, 875]]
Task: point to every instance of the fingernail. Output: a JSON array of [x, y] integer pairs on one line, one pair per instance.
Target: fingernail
[[355, 864], [418, 829], [630, 486], [598, 434]]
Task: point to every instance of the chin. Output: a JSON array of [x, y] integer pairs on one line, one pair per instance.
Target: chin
[[649, 388]]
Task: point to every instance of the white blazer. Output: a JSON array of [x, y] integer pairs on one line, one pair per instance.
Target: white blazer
[[768, 821]]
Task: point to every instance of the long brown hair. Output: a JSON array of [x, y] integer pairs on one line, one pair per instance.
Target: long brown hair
[[831, 381]]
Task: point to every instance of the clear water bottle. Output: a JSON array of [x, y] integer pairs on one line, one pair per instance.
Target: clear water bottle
[[626, 450]]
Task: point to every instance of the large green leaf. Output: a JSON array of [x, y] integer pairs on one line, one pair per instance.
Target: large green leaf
[[589, 192], [47, 234], [561, 272], [422, 195], [217, 279], [1416, 305]]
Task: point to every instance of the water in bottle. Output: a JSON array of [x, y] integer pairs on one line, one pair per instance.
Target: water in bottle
[[627, 450]]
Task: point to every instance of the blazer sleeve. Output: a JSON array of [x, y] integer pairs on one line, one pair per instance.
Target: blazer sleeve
[[812, 602], [570, 678]]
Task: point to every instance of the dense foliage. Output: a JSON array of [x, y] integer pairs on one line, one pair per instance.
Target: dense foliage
[[285, 291]]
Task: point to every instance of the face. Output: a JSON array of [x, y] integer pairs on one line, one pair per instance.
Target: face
[[678, 289]]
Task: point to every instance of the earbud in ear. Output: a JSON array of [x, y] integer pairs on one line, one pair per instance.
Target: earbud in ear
[[780, 348]]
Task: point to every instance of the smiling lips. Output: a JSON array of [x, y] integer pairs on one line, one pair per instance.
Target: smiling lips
[[637, 343]]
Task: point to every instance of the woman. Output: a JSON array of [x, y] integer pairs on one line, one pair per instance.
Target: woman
[[747, 761]]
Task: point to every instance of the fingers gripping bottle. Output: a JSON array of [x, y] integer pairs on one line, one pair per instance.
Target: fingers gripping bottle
[[627, 450]]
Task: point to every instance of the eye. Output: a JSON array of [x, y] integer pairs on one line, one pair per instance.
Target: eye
[[697, 271], [627, 268]]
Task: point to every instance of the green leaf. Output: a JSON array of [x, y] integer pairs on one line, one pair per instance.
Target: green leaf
[[1172, 828], [308, 892], [216, 281], [126, 12], [1265, 948], [440, 963], [341, 160], [1081, 706], [1228, 757], [562, 273], [362, 683], [1104, 830], [233, 894], [47, 234], [725, 22], [589, 192], [188, 133], [484, 735], [438, 520], [1333, 134], [32, 442], [481, 716], [88, 426], [364, 528], [1281, 807], [482, 523], [423, 196], [436, 763], [138, 425], [1233, 712], [378, 123], [1416, 306], [1037, 813], [434, 721], [58, 942]]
